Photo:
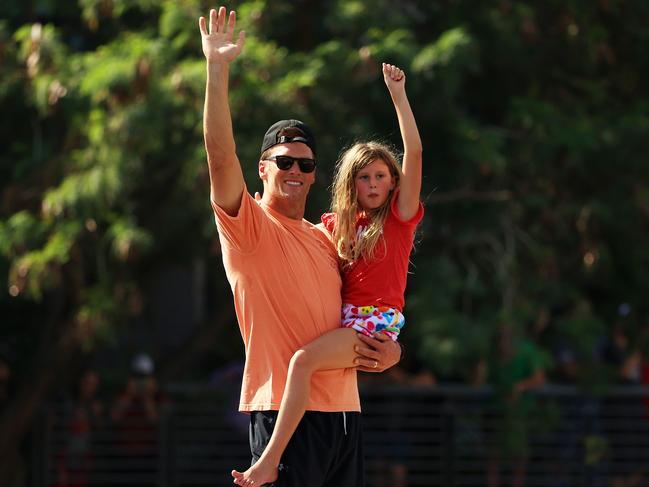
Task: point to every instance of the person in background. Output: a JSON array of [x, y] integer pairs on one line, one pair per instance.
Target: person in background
[[5, 382], [84, 418], [518, 369], [136, 412]]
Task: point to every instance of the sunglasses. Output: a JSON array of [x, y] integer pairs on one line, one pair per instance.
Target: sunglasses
[[286, 162]]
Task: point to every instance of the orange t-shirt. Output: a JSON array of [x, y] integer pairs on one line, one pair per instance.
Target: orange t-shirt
[[286, 286]]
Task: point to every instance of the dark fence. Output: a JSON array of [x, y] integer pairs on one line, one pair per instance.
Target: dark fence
[[423, 436]]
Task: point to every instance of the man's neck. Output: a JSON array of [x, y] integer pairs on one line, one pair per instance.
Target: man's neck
[[284, 206]]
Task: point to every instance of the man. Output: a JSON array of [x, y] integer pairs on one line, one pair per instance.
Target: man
[[284, 277]]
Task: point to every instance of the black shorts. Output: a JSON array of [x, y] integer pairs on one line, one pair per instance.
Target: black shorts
[[325, 450]]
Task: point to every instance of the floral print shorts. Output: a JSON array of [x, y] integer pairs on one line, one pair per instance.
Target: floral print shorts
[[371, 319]]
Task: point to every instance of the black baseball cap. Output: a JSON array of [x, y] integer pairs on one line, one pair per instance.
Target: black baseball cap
[[273, 137]]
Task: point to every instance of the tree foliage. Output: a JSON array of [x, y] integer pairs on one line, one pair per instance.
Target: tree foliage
[[534, 117]]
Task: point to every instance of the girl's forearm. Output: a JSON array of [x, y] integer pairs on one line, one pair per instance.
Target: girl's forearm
[[407, 124], [410, 186]]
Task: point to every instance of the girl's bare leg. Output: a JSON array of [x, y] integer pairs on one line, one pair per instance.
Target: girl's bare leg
[[333, 350]]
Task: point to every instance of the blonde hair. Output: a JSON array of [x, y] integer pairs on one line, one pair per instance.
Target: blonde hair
[[344, 200]]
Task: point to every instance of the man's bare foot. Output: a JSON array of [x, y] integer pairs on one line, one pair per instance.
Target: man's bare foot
[[259, 474]]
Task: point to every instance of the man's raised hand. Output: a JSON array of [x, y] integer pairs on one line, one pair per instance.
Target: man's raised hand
[[217, 42]]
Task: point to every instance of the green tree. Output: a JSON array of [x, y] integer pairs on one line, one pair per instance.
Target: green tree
[[535, 124]]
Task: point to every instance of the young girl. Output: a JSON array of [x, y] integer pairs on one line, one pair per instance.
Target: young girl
[[375, 210]]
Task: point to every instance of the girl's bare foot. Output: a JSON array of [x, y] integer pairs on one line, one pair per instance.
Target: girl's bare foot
[[259, 474]]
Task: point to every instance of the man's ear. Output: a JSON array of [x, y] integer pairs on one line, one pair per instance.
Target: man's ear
[[262, 170]]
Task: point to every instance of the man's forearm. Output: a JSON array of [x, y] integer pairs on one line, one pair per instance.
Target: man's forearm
[[217, 121], [226, 176]]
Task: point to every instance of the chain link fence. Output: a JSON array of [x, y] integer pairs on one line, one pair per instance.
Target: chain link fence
[[414, 436]]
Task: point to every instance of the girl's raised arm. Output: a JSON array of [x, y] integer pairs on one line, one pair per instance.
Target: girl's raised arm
[[410, 187]]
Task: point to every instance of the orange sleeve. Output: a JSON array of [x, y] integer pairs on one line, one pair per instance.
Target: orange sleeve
[[242, 231]]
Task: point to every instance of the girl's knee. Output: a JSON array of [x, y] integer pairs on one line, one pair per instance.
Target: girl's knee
[[301, 360]]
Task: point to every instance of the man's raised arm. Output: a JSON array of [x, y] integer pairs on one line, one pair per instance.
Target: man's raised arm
[[226, 177]]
